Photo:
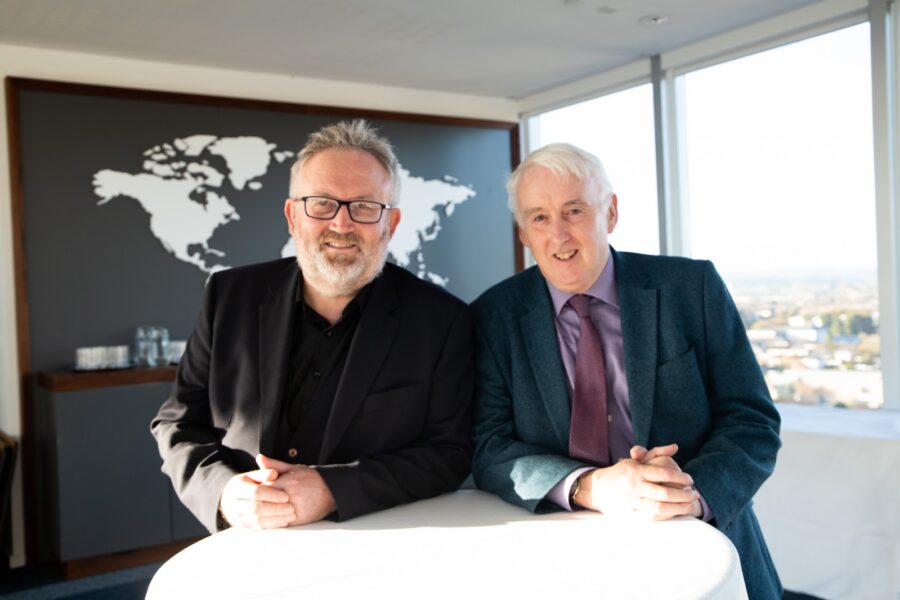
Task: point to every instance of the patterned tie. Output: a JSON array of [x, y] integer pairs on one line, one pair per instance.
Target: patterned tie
[[588, 435]]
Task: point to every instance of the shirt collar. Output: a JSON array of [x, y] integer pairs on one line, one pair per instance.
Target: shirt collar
[[358, 302], [603, 289]]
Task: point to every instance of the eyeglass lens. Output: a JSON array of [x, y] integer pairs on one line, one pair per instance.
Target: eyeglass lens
[[327, 208]]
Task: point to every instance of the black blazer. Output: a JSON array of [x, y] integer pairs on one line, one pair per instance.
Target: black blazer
[[399, 427]]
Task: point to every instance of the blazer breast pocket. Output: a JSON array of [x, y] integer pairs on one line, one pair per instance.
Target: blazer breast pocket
[[394, 417], [396, 395], [681, 408]]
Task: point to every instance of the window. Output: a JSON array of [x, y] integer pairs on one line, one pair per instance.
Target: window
[[618, 129], [780, 188]]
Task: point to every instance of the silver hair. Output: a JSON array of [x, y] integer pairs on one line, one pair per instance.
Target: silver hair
[[568, 162], [357, 134]]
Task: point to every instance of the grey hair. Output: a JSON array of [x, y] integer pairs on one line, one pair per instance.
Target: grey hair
[[357, 134], [568, 162]]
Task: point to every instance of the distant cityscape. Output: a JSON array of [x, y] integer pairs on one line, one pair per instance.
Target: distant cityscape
[[815, 335]]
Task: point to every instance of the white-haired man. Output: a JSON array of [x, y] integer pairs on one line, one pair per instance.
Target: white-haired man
[[335, 389], [594, 356]]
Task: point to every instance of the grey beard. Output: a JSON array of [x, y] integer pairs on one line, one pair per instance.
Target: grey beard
[[338, 277]]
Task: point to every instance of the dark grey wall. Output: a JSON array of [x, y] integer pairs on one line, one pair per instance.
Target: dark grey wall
[[94, 273]]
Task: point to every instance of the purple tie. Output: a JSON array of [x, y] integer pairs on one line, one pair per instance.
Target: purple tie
[[588, 435]]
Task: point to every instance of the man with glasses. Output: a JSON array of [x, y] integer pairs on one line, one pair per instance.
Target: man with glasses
[[595, 356], [330, 390]]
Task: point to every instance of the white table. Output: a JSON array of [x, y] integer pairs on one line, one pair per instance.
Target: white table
[[462, 545]]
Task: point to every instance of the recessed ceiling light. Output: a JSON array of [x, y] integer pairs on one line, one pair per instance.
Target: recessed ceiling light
[[607, 10], [653, 20]]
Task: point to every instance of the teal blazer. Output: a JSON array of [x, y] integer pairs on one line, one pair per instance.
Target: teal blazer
[[692, 380]]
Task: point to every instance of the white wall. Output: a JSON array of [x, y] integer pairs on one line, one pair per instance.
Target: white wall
[[39, 63]]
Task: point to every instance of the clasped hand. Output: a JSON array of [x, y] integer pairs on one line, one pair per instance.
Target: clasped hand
[[278, 494], [649, 484]]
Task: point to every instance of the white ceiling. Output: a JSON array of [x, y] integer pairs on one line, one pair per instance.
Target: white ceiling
[[503, 48]]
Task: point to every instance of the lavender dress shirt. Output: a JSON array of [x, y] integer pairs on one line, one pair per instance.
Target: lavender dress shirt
[[607, 318]]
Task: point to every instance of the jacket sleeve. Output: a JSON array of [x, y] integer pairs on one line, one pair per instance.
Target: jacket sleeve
[[520, 472], [739, 453], [440, 457], [191, 447]]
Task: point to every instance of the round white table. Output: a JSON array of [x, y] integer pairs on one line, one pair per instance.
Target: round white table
[[467, 544]]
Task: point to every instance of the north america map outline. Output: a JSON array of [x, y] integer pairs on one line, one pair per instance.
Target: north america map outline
[[182, 192]]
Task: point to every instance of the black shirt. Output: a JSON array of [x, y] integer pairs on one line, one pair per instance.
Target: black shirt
[[318, 349]]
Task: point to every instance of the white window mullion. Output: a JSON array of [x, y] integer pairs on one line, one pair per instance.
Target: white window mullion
[[674, 230], [886, 202]]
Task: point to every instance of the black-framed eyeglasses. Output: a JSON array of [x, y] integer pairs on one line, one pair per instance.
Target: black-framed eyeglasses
[[325, 208]]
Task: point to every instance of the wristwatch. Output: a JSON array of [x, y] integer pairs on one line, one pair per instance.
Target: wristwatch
[[576, 487]]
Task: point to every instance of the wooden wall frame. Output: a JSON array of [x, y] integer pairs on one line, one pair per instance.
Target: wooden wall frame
[[15, 85]]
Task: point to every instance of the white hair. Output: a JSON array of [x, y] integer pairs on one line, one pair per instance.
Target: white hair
[[568, 162]]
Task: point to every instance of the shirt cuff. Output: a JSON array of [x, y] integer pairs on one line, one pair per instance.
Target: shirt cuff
[[560, 492]]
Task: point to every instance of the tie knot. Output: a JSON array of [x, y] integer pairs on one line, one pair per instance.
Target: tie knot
[[582, 305]]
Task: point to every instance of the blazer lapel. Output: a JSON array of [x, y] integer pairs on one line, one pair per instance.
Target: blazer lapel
[[373, 338], [539, 333], [638, 304], [276, 322]]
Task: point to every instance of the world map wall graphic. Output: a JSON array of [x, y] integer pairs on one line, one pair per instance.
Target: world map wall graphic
[[187, 198], [130, 199]]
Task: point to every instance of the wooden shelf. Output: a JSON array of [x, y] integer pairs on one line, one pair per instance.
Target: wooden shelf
[[70, 381]]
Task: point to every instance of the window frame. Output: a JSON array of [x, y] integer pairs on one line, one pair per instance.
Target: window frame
[[663, 71]]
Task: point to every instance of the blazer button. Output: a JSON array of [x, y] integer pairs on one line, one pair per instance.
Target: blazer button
[[292, 453]]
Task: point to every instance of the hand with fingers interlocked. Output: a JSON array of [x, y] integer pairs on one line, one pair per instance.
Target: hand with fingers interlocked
[[649, 484], [278, 494]]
